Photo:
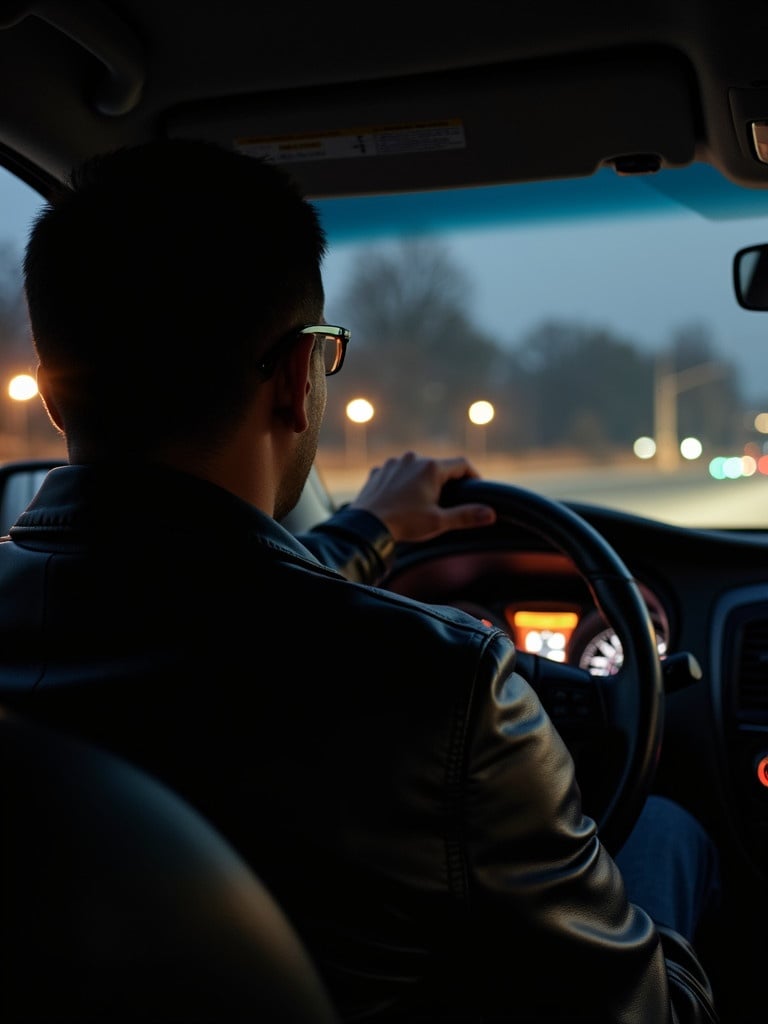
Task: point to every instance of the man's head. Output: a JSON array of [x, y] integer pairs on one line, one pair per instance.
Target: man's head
[[156, 282]]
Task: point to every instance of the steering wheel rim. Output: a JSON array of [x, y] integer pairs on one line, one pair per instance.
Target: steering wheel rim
[[632, 700]]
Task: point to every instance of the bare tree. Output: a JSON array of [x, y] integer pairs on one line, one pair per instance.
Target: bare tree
[[15, 344], [417, 355]]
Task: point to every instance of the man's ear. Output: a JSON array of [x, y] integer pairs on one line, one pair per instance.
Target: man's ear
[[44, 388], [294, 382]]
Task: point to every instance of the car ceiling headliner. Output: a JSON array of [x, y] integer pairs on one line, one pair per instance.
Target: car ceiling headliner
[[539, 90]]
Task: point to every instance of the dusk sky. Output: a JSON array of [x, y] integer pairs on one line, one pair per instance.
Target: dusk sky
[[644, 288], [595, 275]]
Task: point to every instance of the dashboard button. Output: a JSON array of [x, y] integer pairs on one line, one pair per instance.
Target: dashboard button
[[762, 770]]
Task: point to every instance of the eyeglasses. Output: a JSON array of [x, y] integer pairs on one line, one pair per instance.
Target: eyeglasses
[[333, 341]]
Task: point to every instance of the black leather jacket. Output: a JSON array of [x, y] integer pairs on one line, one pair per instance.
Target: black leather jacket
[[395, 783]]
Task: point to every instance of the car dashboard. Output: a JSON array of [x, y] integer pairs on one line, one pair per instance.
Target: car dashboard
[[538, 598]]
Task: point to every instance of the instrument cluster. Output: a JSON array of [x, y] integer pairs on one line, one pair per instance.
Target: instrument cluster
[[568, 633], [537, 598]]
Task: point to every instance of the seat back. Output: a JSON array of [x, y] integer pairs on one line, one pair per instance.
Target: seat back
[[119, 902]]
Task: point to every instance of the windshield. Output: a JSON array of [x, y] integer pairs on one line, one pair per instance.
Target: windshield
[[580, 338]]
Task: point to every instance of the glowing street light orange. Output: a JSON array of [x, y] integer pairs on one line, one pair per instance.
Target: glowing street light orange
[[360, 410], [22, 387], [479, 415], [359, 413]]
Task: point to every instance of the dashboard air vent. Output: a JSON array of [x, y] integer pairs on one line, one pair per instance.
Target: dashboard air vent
[[752, 667]]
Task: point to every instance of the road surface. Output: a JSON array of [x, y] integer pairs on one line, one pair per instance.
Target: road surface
[[686, 498]]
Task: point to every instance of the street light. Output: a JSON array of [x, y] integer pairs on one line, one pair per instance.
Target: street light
[[644, 447], [691, 448], [359, 414], [21, 388], [479, 415], [668, 384]]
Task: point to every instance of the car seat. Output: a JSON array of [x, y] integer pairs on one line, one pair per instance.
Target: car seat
[[120, 903]]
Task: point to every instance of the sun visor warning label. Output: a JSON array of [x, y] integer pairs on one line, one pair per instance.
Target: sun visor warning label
[[387, 140]]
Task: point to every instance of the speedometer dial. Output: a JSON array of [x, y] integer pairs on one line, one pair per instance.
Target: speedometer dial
[[603, 654], [596, 648]]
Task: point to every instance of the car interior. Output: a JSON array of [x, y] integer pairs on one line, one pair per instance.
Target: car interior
[[121, 903], [646, 630]]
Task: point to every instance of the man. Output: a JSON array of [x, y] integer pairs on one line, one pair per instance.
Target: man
[[394, 781]]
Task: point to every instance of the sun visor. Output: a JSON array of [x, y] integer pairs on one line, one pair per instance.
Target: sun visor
[[492, 125]]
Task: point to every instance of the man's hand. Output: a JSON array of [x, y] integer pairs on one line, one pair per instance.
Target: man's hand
[[405, 491]]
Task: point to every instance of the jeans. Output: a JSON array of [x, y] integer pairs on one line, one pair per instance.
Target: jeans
[[671, 866]]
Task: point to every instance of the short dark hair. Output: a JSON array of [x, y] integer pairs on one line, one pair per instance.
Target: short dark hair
[[156, 277]]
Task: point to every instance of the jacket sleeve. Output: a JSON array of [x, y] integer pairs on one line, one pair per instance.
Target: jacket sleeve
[[353, 542], [534, 862]]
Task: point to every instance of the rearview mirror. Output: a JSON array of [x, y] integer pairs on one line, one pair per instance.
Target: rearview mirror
[[750, 277]]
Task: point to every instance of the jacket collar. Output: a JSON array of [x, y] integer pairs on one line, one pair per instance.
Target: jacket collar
[[76, 502]]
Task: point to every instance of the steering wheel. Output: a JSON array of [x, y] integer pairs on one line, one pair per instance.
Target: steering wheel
[[611, 724]]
